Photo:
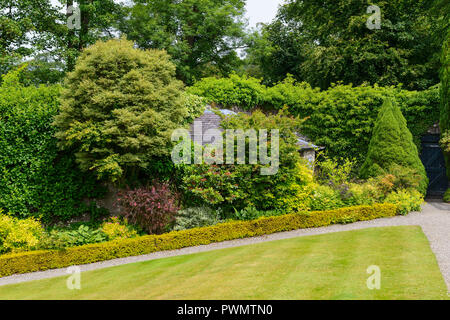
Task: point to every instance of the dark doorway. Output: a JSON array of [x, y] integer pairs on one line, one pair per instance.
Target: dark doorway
[[434, 162]]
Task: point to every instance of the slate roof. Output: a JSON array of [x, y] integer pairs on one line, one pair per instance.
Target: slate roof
[[305, 144], [210, 120]]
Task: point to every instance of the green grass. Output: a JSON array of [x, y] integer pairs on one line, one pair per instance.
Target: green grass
[[330, 266]]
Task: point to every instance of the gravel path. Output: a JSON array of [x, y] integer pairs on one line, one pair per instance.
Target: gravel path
[[434, 220]]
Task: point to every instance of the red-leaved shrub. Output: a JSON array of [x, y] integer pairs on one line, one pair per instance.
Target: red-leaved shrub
[[152, 208]]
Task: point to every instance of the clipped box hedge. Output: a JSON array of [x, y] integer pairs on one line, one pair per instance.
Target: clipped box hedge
[[24, 262]]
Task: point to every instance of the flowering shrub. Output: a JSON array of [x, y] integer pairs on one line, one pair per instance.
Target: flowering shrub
[[152, 209], [19, 235], [116, 229], [405, 200]]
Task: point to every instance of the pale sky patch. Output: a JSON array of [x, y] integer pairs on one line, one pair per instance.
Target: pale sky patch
[[261, 11]]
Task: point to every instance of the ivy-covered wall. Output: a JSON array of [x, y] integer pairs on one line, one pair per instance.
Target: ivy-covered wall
[[340, 118]]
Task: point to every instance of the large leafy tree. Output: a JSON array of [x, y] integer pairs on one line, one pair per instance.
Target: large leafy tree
[[38, 31], [25, 27], [99, 19], [324, 41], [200, 35], [119, 108]]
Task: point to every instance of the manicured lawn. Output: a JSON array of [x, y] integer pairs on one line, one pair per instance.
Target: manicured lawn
[[331, 266]]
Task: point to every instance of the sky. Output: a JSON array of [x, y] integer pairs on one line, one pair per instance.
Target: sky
[[261, 11]]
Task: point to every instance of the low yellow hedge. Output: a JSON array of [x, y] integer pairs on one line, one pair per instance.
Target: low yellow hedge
[[43, 260]]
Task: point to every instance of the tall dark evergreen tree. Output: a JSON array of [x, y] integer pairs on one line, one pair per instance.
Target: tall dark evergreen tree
[[445, 94]]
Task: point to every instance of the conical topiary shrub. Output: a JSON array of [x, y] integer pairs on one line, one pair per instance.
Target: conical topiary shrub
[[445, 95], [392, 145]]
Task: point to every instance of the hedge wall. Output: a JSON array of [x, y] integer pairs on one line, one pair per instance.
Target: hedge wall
[[35, 178], [44, 260], [340, 118]]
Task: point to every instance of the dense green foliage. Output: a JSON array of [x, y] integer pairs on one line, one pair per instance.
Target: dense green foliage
[[36, 179], [391, 144], [60, 239], [200, 36], [195, 106], [237, 91], [242, 185], [406, 200], [99, 20], [447, 196], [445, 96], [38, 31], [340, 118], [17, 19], [322, 42], [119, 108]]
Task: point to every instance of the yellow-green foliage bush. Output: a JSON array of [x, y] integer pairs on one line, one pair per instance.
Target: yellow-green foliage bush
[[119, 108], [363, 194], [405, 200], [116, 229], [43, 260], [19, 234], [325, 198], [447, 196]]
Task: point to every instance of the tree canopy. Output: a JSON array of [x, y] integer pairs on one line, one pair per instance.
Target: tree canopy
[[200, 35], [38, 31], [322, 42]]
